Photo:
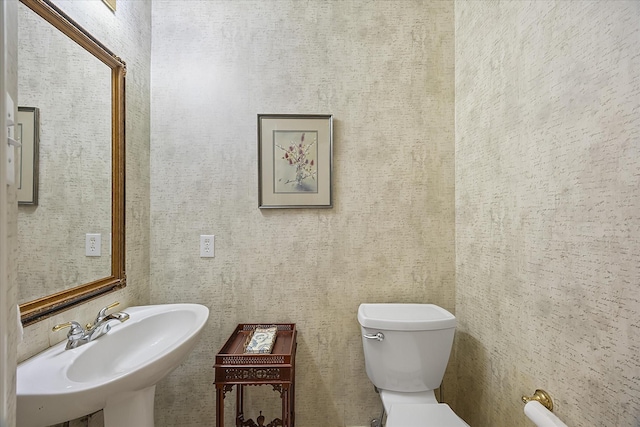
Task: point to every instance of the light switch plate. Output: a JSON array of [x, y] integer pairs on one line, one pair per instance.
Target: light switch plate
[[10, 111], [11, 168]]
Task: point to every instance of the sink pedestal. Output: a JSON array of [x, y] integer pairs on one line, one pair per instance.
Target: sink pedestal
[[130, 409]]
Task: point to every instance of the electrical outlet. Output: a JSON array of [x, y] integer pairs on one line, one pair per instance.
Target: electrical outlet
[[207, 245], [92, 244]]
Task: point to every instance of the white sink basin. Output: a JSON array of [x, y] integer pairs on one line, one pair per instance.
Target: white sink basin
[[117, 372]]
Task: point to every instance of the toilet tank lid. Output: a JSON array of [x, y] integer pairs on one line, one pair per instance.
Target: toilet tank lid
[[405, 317]]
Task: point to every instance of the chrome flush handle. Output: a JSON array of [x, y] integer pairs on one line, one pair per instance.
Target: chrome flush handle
[[379, 336]]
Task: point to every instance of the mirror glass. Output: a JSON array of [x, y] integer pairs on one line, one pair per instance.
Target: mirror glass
[[71, 242], [72, 91]]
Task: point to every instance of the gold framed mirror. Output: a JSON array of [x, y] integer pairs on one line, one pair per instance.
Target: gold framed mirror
[[48, 305]]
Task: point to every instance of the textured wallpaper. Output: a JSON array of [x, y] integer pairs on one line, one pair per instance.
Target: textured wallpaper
[[384, 69], [548, 210]]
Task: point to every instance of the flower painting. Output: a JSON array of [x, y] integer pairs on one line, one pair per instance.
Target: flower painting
[[295, 158], [296, 161]]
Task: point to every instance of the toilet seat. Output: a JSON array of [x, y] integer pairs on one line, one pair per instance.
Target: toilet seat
[[423, 415]]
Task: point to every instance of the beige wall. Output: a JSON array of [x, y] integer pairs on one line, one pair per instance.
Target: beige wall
[[127, 34], [548, 210], [385, 72]]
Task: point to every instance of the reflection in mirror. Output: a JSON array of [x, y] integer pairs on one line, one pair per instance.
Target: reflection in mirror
[[78, 87], [72, 90]]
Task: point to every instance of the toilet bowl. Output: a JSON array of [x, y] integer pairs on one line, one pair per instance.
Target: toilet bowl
[[423, 415], [406, 351]]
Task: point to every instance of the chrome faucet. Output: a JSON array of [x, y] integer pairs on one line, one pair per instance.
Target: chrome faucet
[[78, 335]]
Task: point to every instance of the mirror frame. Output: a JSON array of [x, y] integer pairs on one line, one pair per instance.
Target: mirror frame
[[41, 308]]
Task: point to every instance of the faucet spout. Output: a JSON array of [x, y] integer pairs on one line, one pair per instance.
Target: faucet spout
[[102, 325], [120, 315]]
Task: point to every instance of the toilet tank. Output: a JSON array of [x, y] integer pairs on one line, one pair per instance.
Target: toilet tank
[[414, 352]]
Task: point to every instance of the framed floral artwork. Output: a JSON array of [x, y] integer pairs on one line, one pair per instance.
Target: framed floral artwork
[[295, 157]]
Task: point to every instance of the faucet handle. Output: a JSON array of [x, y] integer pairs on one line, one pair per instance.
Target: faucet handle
[[102, 314], [76, 328], [103, 310]]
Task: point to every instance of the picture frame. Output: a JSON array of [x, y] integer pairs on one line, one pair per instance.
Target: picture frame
[[295, 160], [111, 4], [28, 132]]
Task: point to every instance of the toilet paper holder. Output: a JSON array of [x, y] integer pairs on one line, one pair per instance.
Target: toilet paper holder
[[542, 397]]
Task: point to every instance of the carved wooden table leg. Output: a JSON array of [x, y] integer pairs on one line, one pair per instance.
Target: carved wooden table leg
[[239, 405], [286, 410], [292, 399], [219, 405]]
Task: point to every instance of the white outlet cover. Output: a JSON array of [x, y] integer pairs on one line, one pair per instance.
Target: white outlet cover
[[93, 244], [207, 245]]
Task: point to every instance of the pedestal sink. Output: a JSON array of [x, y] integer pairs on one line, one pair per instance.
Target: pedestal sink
[[117, 372]]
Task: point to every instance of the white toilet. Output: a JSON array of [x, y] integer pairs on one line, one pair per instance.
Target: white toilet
[[406, 351]]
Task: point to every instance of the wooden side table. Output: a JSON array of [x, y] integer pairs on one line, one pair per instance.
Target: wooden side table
[[234, 367]]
